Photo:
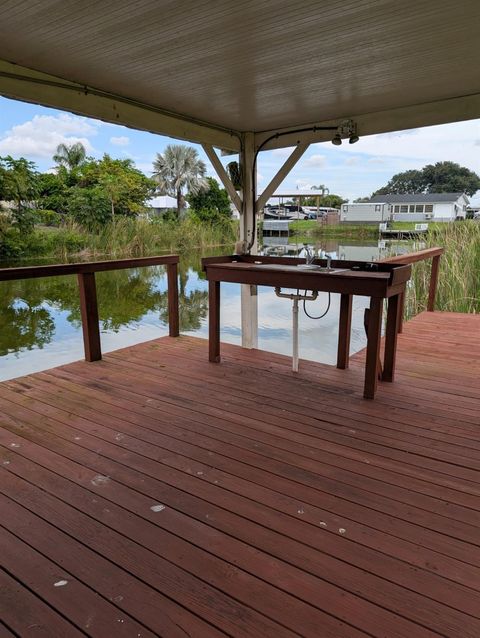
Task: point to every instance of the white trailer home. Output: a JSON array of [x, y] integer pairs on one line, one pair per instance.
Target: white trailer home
[[365, 212], [438, 207]]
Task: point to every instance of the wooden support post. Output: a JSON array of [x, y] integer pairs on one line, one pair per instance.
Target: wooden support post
[[344, 330], [172, 293], [432, 292], [401, 310], [89, 312], [391, 338], [374, 330], [214, 321], [248, 234]]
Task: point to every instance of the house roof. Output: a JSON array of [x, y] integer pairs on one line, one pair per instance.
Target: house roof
[[421, 198], [163, 201], [207, 71]]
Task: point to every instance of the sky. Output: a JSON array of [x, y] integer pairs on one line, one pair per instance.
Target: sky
[[350, 170]]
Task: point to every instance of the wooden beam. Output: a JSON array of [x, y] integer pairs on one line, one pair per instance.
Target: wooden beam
[[280, 176], [222, 173], [21, 83]]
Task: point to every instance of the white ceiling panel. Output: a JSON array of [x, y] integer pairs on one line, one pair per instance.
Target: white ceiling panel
[[253, 65]]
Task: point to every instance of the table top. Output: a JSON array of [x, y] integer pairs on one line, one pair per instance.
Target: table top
[[336, 271], [349, 277]]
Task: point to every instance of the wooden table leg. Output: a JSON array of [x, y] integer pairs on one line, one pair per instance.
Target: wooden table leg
[[214, 321], [344, 331], [373, 347], [391, 338]]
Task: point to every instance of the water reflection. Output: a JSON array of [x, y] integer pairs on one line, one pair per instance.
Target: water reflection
[[40, 319]]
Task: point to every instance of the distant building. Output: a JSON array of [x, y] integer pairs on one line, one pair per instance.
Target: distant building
[[438, 207], [159, 205]]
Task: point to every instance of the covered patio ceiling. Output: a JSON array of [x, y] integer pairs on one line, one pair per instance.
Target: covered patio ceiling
[[209, 70]]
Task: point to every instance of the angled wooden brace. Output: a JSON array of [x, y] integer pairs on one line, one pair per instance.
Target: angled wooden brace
[[225, 179], [280, 176]]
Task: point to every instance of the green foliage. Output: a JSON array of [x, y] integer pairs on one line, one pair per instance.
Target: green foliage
[[70, 156], [89, 207], [53, 191], [47, 217], [18, 184], [442, 177], [125, 187], [458, 280], [177, 170], [330, 200], [211, 205]]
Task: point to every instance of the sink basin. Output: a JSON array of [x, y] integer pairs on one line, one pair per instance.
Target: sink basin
[[317, 268]]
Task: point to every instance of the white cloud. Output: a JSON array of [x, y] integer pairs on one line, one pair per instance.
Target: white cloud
[[352, 161], [283, 152], [319, 161], [456, 142], [121, 140], [40, 136]]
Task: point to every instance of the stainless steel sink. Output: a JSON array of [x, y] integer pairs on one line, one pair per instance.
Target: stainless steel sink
[[323, 269]]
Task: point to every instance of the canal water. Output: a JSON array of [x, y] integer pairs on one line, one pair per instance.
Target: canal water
[[40, 318]]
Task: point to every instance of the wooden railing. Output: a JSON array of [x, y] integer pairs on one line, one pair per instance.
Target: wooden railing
[[410, 258], [85, 272]]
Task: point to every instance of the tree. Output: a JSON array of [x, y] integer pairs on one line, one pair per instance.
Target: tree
[[210, 205], [70, 156], [53, 193], [178, 169], [330, 200], [18, 184], [124, 186], [442, 177], [90, 207], [362, 200]]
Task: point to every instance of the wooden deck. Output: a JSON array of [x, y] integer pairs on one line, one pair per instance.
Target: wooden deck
[[155, 494]]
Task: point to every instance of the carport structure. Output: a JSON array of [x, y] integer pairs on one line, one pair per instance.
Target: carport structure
[[243, 77]]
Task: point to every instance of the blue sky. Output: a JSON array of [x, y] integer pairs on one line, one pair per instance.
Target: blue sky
[[349, 170]]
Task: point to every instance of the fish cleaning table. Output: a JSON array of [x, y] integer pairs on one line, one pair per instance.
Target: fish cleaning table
[[377, 281]]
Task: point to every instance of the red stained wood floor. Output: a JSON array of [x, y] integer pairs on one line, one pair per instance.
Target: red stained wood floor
[[156, 494]]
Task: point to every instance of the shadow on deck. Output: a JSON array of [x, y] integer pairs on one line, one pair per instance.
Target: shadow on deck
[[153, 493]]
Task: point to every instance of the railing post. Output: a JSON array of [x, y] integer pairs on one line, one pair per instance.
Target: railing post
[[89, 311], [172, 292], [401, 310], [432, 291]]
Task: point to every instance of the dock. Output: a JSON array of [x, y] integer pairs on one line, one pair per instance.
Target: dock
[[152, 493]]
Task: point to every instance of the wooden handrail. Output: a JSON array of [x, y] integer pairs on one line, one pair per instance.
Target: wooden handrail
[[85, 272], [410, 258], [29, 272]]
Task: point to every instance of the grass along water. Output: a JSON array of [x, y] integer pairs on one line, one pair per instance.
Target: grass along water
[[459, 276], [127, 237]]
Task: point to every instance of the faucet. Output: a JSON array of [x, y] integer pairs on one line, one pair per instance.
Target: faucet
[[309, 254], [328, 257]]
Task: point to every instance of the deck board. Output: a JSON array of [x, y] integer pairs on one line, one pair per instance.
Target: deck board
[[283, 505]]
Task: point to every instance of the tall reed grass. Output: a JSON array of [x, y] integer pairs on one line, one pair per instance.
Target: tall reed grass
[[459, 276], [132, 237]]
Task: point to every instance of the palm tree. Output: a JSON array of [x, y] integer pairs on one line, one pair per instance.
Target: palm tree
[[179, 168], [70, 156]]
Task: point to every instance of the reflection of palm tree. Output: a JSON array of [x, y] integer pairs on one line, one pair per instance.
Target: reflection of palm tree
[[177, 169], [70, 156]]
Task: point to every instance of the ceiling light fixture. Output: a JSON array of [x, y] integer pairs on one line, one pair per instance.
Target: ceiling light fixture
[[346, 129]]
